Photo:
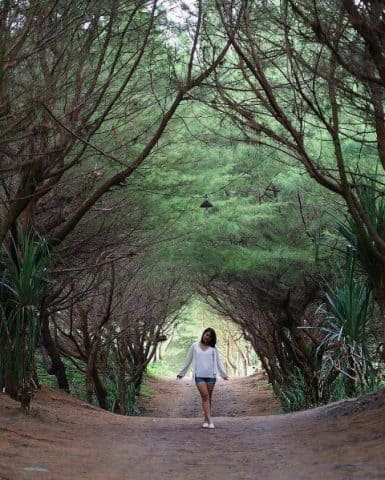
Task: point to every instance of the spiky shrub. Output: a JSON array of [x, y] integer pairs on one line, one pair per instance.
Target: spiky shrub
[[359, 239], [23, 285], [292, 394], [348, 331]]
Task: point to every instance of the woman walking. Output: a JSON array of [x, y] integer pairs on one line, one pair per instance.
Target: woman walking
[[206, 364]]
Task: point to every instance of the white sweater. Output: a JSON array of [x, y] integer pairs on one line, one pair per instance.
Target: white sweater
[[206, 363]]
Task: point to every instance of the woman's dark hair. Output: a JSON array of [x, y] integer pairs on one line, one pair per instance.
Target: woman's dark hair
[[213, 340]]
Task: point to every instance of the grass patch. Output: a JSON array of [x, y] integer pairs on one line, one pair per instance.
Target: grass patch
[[158, 370]]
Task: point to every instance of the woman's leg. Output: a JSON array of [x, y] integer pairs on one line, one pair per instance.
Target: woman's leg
[[210, 388], [204, 392]]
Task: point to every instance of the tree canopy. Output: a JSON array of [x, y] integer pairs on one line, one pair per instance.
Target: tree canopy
[[117, 119]]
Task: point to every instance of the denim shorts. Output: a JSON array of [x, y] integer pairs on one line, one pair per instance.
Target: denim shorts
[[210, 380]]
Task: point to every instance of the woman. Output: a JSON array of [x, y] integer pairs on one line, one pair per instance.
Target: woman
[[206, 364]]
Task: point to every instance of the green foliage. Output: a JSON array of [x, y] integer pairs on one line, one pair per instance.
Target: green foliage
[[75, 378], [292, 395], [254, 228], [195, 318], [347, 348], [190, 326], [113, 398], [341, 387], [23, 285], [349, 333], [359, 240], [160, 369]]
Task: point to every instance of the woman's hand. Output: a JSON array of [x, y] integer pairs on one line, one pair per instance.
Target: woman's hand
[[179, 377], [226, 378]]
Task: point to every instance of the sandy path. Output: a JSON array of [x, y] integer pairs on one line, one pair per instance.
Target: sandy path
[[66, 439]]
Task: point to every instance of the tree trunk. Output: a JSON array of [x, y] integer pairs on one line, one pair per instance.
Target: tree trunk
[[138, 381], [380, 298], [351, 379], [89, 387], [101, 392], [11, 387], [94, 384], [57, 367], [122, 389]]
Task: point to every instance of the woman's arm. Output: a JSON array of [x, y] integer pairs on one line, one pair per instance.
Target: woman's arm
[[222, 372], [187, 363]]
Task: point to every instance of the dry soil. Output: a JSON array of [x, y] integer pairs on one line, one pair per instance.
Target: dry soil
[[64, 438]]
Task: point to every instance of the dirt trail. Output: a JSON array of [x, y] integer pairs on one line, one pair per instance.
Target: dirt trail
[[238, 397], [67, 439]]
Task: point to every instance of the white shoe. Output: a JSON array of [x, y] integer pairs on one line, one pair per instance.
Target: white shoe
[[205, 425], [211, 425]]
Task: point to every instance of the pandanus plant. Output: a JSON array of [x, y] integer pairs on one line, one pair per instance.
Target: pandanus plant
[[348, 331], [363, 248], [23, 285]]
